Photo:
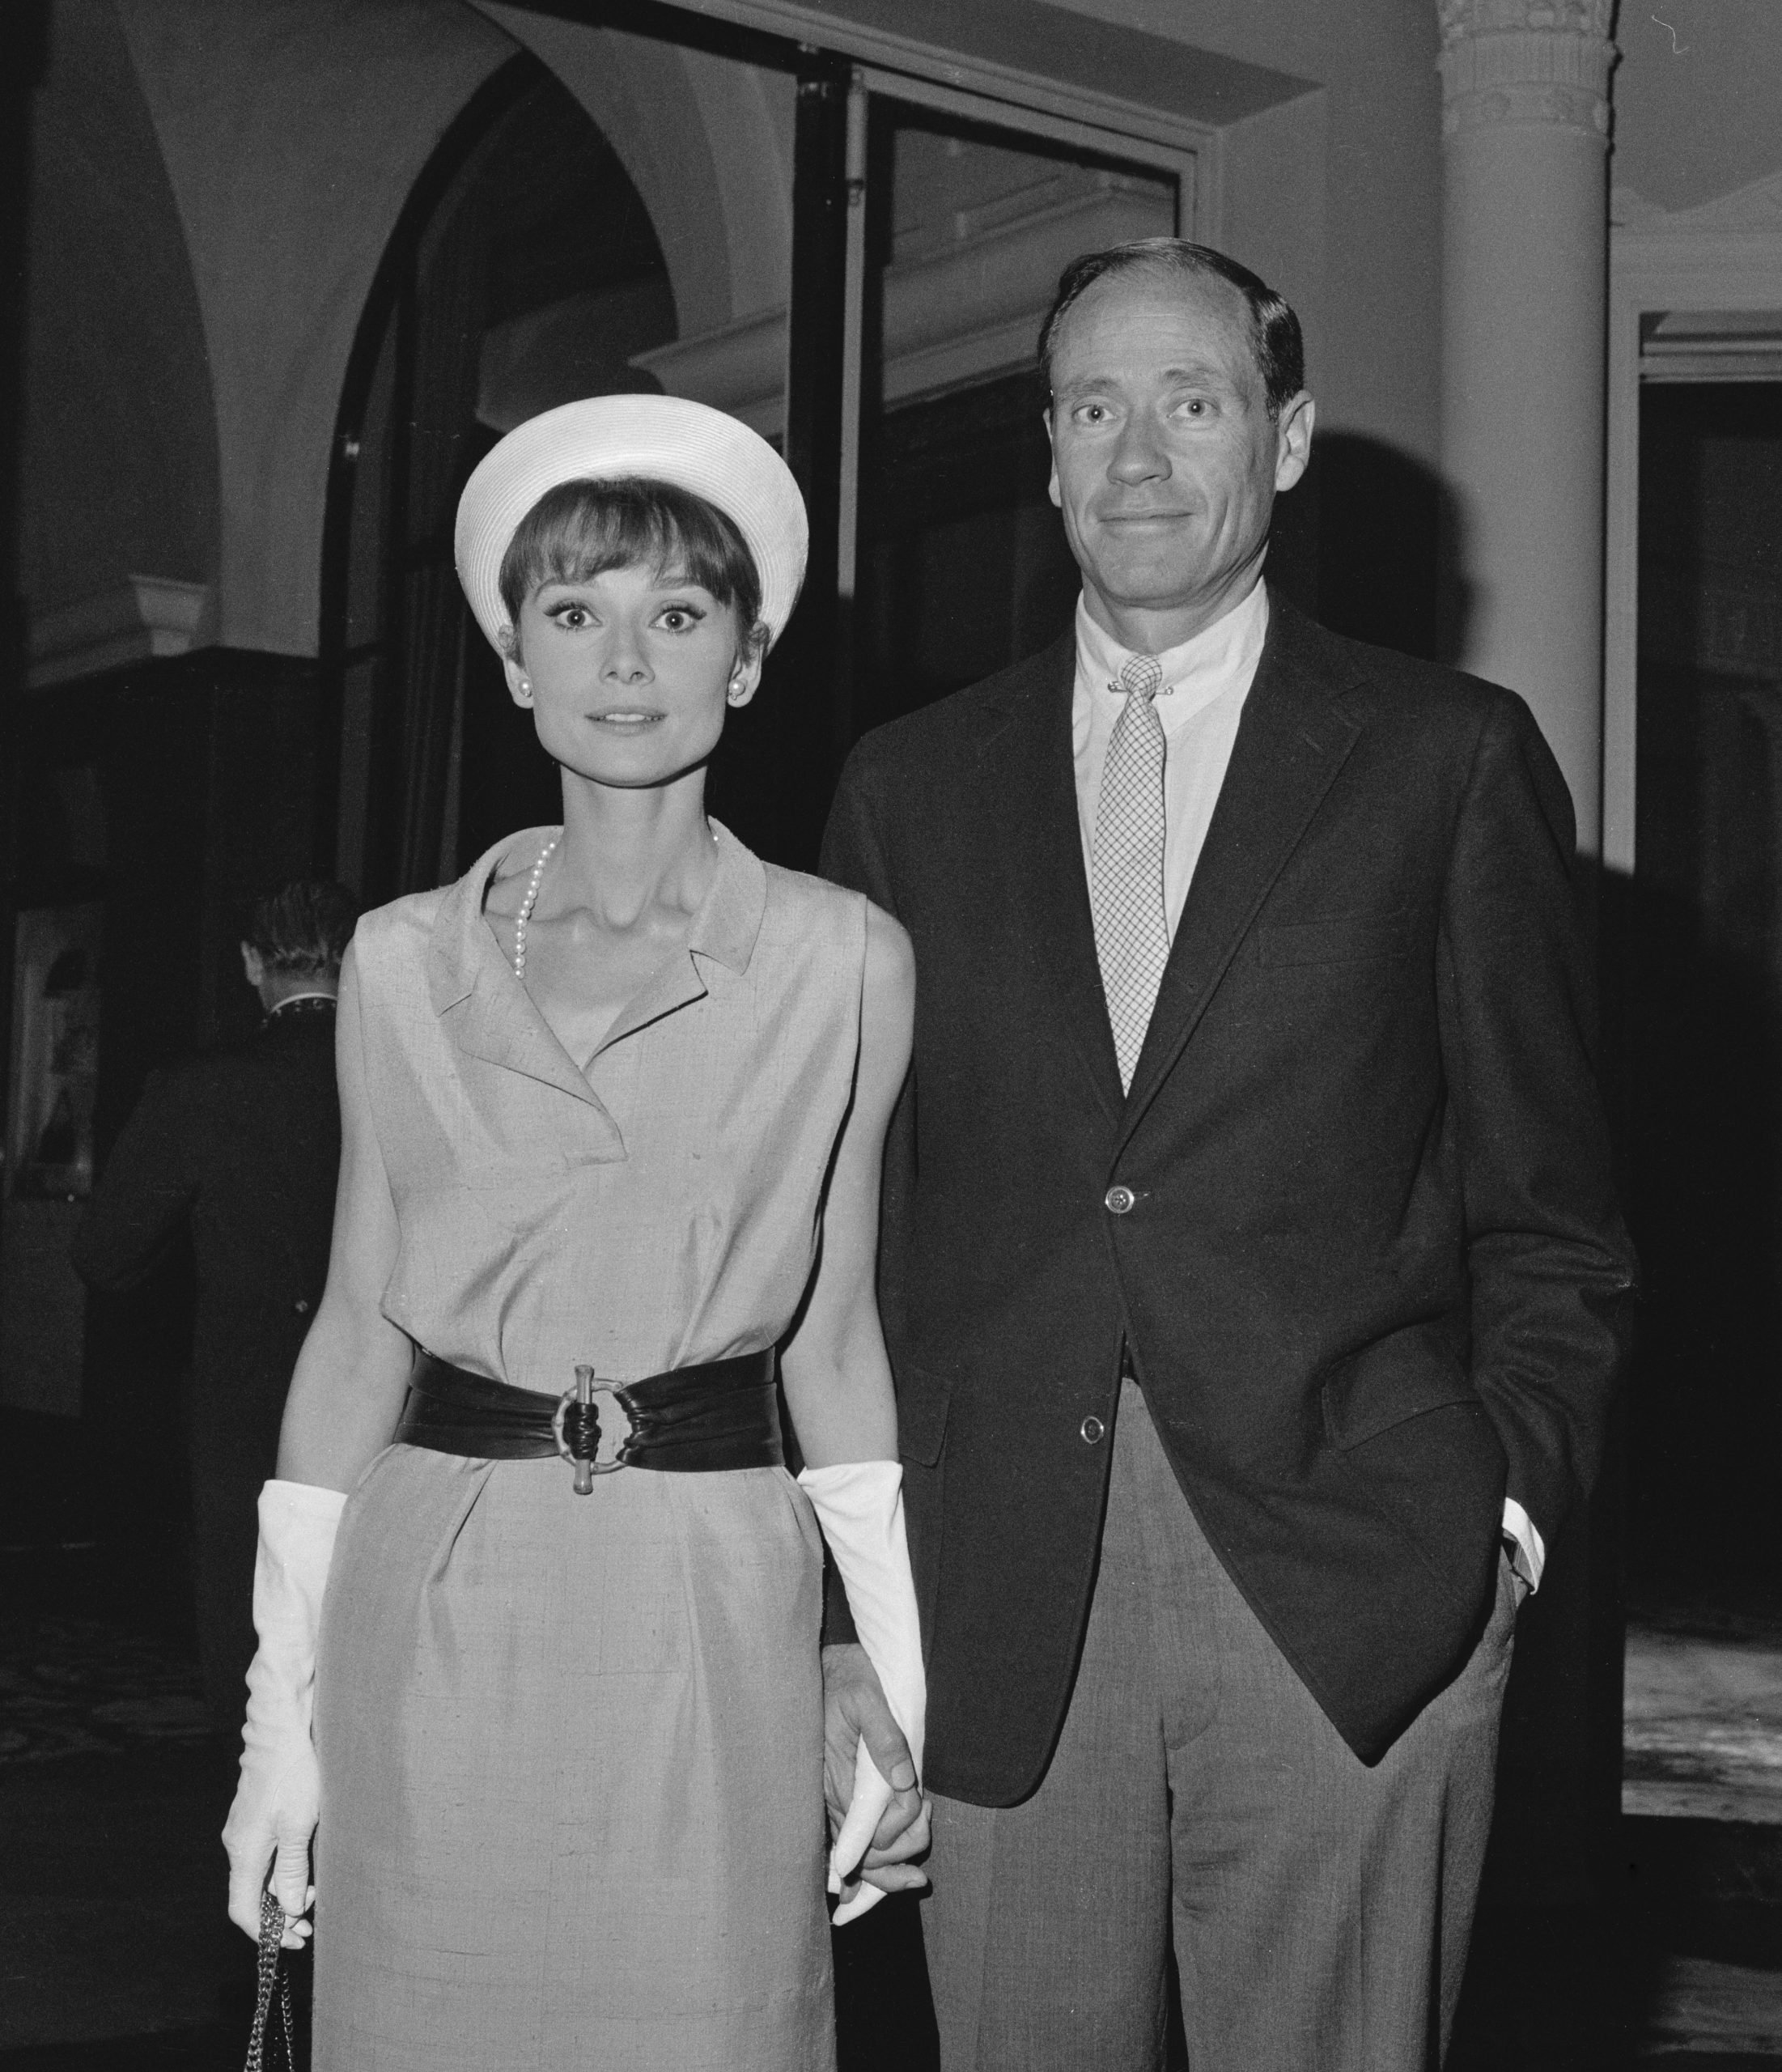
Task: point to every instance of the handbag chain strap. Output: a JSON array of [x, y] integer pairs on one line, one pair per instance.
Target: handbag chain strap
[[274, 1982]]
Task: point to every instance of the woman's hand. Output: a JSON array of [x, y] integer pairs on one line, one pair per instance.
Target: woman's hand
[[273, 1822], [279, 1797], [854, 1710], [346, 1396], [838, 1390]]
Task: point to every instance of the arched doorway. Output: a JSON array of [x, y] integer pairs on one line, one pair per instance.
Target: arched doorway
[[524, 271]]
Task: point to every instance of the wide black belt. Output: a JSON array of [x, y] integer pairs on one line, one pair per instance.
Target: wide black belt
[[692, 1420]]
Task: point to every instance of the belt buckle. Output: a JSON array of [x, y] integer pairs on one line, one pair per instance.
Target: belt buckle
[[587, 1386]]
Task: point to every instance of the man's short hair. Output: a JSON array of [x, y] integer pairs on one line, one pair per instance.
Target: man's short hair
[[301, 930], [1275, 330]]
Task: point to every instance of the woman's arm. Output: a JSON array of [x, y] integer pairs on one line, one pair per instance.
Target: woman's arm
[[838, 1390], [837, 1377], [353, 1373]]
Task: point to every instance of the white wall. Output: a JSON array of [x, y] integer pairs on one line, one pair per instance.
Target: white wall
[[292, 136], [218, 181], [280, 141], [119, 469], [1367, 278], [1698, 99]]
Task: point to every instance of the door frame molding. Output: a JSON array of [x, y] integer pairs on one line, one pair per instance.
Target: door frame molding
[[914, 58], [1191, 159], [1725, 254]]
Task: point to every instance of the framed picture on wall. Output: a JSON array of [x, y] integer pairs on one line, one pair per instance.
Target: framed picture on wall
[[55, 1050]]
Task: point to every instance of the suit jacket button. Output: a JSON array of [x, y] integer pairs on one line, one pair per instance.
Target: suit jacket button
[[1092, 1428], [1118, 1201], [301, 1307]]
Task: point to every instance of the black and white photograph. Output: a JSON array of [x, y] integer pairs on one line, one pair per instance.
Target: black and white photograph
[[892, 1038]]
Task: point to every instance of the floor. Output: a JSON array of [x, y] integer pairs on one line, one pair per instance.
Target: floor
[[1702, 1741], [114, 1956], [1703, 1737]]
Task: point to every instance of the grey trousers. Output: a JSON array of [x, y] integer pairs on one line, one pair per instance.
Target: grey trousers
[[1320, 1910]]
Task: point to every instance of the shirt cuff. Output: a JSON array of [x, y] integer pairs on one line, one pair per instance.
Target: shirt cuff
[[1529, 1558]]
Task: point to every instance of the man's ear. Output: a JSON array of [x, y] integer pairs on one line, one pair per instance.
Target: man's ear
[[1051, 486], [1293, 439], [253, 964]]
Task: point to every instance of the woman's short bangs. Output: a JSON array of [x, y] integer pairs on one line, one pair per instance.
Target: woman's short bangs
[[580, 529]]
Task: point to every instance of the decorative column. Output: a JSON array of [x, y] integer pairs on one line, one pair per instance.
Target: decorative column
[[1524, 266]]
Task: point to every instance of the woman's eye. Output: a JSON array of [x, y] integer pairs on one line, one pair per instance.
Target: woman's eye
[[573, 617], [678, 618]]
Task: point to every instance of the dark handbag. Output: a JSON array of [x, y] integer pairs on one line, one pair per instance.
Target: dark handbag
[[275, 1985]]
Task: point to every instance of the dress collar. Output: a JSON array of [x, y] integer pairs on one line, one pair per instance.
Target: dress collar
[[724, 927], [729, 918]]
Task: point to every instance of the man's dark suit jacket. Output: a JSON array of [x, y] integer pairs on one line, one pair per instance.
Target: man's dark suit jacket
[[244, 1143], [1373, 1274]]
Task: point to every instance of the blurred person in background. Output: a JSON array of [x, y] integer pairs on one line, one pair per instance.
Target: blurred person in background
[[240, 1148]]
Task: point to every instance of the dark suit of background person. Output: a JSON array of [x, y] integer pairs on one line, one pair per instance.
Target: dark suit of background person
[[1352, 1230], [242, 1146]]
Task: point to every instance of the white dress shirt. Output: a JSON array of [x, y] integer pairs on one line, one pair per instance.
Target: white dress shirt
[[1205, 683]]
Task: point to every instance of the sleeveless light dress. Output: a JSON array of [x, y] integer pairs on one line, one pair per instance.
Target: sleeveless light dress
[[571, 1746]]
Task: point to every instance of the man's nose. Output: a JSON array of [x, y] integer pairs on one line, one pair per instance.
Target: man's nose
[[1140, 454]]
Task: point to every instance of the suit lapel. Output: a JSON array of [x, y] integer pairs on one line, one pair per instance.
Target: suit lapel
[[1290, 743], [1031, 815]]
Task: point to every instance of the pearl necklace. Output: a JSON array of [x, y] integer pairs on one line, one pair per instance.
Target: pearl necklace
[[527, 905]]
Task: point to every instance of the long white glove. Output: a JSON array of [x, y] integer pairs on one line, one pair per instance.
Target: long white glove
[[279, 1797], [859, 1505]]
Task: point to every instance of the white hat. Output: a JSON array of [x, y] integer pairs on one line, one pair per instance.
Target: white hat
[[663, 438]]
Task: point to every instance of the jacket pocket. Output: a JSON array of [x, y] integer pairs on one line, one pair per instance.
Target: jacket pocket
[[1337, 939], [922, 1401], [1389, 1383], [1410, 1432]]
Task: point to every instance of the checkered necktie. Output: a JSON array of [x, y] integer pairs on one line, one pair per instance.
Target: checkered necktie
[[1131, 924]]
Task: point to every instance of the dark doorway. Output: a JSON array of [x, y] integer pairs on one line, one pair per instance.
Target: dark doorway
[[1704, 1127], [963, 566], [525, 273], [966, 566]]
